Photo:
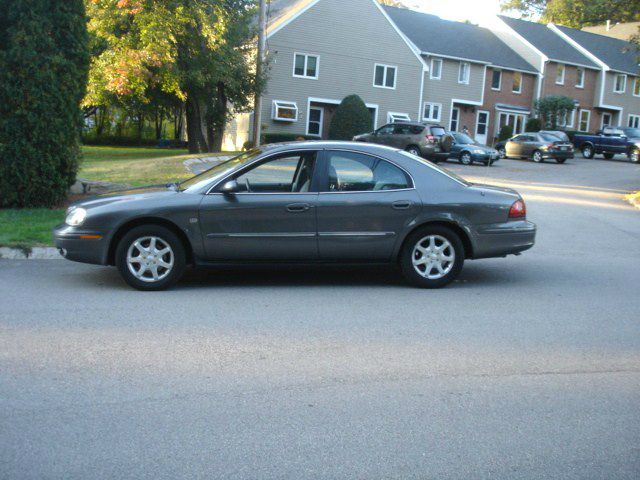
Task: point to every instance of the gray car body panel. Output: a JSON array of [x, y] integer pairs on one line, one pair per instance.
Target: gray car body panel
[[349, 226]]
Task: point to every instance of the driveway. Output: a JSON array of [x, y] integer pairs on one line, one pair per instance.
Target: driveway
[[525, 368]]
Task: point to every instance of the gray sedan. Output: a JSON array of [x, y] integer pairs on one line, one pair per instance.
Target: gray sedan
[[301, 202]]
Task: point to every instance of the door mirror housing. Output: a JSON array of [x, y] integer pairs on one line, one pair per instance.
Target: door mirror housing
[[230, 187]]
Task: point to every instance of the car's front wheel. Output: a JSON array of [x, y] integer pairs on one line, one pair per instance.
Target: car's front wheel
[[465, 158], [432, 257], [502, 152], [150, 257]]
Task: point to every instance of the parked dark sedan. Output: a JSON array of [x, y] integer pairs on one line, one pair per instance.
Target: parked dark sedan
[[539, 146], [301, 202], [467, 151]]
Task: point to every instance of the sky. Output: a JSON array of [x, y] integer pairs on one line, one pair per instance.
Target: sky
[[481, 12]]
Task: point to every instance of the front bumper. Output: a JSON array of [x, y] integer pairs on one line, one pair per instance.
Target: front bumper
[[81, 245], [499, 240], [484, 157]]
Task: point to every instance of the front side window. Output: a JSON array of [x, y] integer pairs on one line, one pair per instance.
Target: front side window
[[385, 76], [436, 69], [285, 174], [580, 77], [284, 111], [463, 72], [496, 79], [357, 172], [432, 111], [560, 74], [305, 66], [620, 84], [517, 82]]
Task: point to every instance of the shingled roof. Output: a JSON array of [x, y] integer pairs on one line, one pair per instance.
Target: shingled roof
[[617, 54], [433, 35], [546, 41]]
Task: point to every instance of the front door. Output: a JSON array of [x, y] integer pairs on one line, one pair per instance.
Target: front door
[[364, 204], [271, 217], [513, 147], [482, 126]]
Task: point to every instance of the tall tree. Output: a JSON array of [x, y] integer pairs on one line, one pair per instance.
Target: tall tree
[[44, 59], [575, 13], [198, 51]]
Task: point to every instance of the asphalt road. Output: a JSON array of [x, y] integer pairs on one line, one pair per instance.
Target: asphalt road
[[526, 368]]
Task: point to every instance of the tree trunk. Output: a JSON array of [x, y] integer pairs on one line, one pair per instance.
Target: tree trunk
[[197, 142], [177, 121], [221, 111], [140, 126], [158, 119]]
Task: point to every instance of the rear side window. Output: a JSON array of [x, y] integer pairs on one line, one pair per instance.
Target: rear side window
[[357, 172]]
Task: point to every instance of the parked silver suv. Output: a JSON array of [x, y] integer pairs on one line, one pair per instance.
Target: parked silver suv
[[418, 138]]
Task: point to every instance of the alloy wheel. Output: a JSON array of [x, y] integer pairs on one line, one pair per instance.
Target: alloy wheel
[[465, 159], [587, 152], [433, 257], [413, 151], [502, 153], [150, 259], [537, 157]]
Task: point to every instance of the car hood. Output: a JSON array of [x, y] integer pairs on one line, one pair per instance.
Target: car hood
[[134, 194]]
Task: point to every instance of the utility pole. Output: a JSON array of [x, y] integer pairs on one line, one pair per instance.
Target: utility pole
[[262, 45]]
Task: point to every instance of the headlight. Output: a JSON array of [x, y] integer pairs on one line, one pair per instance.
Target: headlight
[[76, 216], [478, 151]]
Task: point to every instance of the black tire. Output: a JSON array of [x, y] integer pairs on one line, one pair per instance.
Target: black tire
[[561, 160], [164, 235], [537, 156], [634, 156], [608, 156], [413, 150], [407, 256], [587, 151], [502, 152], [465, 158]]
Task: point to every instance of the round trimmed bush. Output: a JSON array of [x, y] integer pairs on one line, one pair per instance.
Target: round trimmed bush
[[352, 117]]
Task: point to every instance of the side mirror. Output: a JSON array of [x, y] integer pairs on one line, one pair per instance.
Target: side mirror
[[230, 187]]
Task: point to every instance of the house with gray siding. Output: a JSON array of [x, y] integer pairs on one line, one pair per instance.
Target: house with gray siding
[[317, 55], [474, 80]]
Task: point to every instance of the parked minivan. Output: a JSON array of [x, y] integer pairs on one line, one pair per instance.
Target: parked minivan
[[420, 139]]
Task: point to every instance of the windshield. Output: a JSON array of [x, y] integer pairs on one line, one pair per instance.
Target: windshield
[[443, 171], [632, 132], [464, 139], [208, 176]]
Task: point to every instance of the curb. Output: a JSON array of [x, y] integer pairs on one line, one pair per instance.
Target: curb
[[30, 253], [634, 199]]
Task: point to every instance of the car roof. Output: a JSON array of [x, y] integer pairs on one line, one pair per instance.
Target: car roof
[[324, 144]]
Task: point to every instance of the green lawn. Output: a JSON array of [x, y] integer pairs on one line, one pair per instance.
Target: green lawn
[[26, 228], [134, 166]]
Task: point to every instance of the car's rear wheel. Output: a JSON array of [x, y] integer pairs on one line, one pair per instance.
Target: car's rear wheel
[[537, 156], [150, 257], [587, 151], [502, 152], [432, 257], [608, 156], [465, 158], [413, 150]]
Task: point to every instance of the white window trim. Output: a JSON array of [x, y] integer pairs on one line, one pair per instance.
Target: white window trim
[[602, 125], [519, 91], [636, 82], [564, 73], [631, 120], [615, 83], [306, 59], [580, 119], [403, 117], [581, 84], [460, 69], [432, 118], [431, 76], [499, 83], [384, 78], [319, 135], [285, 104], [572, 116]]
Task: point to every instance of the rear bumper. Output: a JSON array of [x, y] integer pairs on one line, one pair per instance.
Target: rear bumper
[[81, 245], [504, 239]]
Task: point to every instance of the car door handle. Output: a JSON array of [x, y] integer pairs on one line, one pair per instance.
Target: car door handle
[[298, 207], [401, 204]]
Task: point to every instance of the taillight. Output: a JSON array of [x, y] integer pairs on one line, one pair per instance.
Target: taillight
[[518, 209]]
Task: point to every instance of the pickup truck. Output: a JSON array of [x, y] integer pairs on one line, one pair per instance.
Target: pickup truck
[[608, 142]]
